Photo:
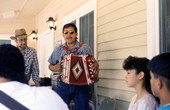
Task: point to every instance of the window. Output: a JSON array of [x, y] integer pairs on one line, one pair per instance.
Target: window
[[164, 26], [5, 39], [5, 42], [87, 29]]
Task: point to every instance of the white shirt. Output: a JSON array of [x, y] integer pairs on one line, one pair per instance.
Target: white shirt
[[34, 98], [147, 102]]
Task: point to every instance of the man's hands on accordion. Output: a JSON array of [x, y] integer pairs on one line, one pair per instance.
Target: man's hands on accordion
[[71, 73], [95, 68], [56, 68]]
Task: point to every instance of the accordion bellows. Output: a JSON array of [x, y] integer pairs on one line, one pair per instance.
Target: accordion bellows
[[77, 70]]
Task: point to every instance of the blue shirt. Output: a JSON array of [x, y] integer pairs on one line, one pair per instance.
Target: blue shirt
[[31, 64], [164, 107], [59, 52]]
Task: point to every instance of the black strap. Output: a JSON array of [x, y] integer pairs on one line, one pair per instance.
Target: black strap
[[11, 103]]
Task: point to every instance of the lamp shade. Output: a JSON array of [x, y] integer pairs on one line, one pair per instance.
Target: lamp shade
[[51, 23], [34, 35]]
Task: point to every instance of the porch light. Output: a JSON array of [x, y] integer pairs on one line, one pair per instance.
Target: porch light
[[51, 23]]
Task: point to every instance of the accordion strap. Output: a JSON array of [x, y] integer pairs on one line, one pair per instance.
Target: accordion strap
[[68, 50], [11, 103]]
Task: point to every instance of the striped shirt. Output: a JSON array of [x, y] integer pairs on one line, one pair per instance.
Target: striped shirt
[[31, 64]]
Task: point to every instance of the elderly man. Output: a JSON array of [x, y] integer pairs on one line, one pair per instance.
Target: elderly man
[[30, 56]]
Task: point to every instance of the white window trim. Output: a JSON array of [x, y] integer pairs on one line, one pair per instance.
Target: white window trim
[[75, 15], [152, 28]]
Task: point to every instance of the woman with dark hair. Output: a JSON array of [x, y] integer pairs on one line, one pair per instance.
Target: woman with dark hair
[[138, 77]]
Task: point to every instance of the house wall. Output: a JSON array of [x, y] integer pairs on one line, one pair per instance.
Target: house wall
[[121, 31]]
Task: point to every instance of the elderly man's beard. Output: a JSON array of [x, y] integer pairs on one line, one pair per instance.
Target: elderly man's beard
[[22, 47]]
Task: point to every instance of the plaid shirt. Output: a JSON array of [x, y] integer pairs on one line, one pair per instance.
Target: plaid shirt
[[31, 64]]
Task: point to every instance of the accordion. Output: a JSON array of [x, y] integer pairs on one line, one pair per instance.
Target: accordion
[[77, 70]]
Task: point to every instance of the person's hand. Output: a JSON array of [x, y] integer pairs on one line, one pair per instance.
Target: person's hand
[[57, 67], [95, 68]]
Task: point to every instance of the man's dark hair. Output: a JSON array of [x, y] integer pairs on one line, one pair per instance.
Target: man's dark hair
[[70, 25], [140, 65], [160, 67], [12, 63]]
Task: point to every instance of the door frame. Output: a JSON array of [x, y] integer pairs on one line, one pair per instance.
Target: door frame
[[153, 35]]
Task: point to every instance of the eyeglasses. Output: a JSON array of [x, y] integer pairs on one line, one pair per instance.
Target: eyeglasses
[[70, 32]]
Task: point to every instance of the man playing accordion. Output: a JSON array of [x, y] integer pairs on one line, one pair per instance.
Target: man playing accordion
[[64, 60]]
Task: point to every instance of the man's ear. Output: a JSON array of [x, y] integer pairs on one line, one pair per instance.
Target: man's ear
[[76, 34], [141, 75]]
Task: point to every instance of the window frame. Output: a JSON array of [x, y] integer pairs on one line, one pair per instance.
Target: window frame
[[153, 30]]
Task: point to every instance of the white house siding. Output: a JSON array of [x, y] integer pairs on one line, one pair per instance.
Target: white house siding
[[121, 31]]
